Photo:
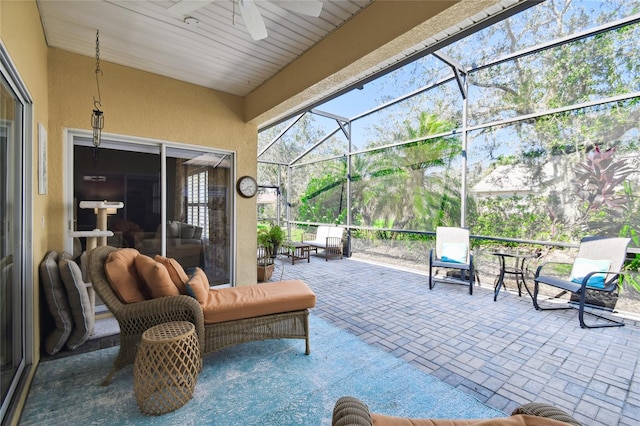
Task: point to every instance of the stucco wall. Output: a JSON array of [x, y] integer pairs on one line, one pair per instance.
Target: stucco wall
[[141, 104], [22, 36]]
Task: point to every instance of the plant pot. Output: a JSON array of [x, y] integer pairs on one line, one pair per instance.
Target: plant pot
[[265, 272]]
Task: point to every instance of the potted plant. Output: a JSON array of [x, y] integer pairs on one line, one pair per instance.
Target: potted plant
[[269, 241], [265, 262], [277, 237]]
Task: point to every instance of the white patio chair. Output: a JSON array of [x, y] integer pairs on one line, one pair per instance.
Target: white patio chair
[[452, 251]]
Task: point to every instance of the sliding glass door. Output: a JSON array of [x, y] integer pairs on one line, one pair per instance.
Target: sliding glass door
[[177, 201], [199, 203], [12, 245]]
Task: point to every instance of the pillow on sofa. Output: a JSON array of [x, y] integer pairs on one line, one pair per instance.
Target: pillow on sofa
[[156, 277], [199, 283], [79, 302], [187, 231], [120, 269], [176, 272], [56, 296], [173, 229]]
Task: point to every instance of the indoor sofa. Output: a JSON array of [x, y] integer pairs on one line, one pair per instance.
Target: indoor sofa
[[184, 243], [142, 292]]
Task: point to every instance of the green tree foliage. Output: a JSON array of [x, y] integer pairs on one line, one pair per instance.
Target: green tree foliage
[[417, 185], [324, 199], [406, 185], [518, 217]]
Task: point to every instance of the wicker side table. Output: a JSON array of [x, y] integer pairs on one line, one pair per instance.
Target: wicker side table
[[166, 367]]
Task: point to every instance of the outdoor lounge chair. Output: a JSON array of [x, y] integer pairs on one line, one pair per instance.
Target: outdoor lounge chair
[[452, 251], [225, 317], [597, 267], [350, 411]]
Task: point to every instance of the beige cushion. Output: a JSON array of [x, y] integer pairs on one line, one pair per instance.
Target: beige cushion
[[56, 297], [156, 277], [79, 302], [176, 272], [251, 301], [199, 286], [517, 420], [121, 272]]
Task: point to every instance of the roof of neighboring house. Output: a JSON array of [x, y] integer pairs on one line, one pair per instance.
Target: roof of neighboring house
[[267, 198], [514, 179]]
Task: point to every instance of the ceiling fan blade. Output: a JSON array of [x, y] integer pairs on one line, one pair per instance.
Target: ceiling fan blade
[[252, 19], [184, 7], [302, 7]]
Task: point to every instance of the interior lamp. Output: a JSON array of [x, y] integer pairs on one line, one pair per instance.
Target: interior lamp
[[97, 117]]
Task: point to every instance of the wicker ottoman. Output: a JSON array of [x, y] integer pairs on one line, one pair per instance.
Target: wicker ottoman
[[166, 367]]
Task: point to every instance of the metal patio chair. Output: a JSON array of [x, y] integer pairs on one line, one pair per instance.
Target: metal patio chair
[[597, 267], [452, 251]]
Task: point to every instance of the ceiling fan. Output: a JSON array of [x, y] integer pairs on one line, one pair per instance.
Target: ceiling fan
[[250, 12]]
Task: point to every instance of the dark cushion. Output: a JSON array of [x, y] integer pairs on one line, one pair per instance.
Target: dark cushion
[[79, 302], [198, 233], [55, 294]]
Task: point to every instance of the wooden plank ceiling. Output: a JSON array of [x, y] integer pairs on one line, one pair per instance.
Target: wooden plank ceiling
[[209, 46]]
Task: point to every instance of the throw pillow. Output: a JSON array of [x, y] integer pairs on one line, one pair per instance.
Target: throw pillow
[[121, 272], [173, 229], [189, 291], [156, 277], [199, 283], [79, 302], [56, 297], [454, 252], [582, 266], [176, 272], [187, 231]]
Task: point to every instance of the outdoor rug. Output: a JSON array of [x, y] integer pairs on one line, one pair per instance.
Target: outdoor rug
[[259, 383]]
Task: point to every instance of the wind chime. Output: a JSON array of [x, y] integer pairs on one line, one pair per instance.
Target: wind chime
[[97, 117]]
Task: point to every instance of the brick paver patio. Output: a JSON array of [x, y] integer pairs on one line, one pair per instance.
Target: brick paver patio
[[505, 353]]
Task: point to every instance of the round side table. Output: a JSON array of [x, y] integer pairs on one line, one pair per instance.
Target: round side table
[[166, 367]]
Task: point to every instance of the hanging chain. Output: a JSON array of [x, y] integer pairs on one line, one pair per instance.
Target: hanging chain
[[98, 70], [233, 13]]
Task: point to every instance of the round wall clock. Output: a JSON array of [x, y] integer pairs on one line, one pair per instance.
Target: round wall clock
[[247, 186]]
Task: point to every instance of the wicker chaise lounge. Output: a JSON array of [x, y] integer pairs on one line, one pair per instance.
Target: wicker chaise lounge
[[350, 411], [135, 318]]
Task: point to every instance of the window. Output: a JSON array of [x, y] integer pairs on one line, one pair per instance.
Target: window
[[198, 201]]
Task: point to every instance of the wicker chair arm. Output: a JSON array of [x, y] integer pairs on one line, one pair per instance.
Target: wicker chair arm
[[148, 313], [545, 410], [350, 411]]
